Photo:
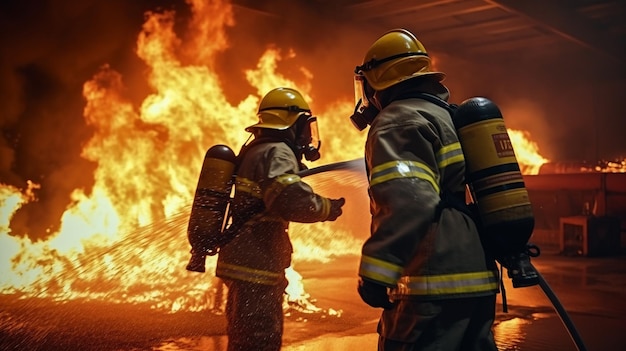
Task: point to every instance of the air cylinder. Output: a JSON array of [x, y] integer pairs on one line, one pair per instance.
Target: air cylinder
[[210, 204], [494, 176]]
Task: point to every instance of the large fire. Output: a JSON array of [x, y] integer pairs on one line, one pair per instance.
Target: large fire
[[125, 238]]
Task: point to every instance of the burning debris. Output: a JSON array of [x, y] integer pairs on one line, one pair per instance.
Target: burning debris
[[123, 239], [616, 166]]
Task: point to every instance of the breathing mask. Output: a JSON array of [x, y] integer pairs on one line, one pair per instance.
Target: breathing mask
[[308, 141], [364, 110]]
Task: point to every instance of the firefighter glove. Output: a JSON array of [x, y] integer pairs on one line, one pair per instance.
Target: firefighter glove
[[197, 262], [374, 294], [335, 208]]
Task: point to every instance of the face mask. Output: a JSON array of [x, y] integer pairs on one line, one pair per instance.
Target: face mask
[[364, 111], [309, 143]]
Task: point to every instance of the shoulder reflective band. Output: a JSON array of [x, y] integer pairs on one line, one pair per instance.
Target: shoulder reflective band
[[286, 179], [403, 169], [278, 185], [450, 154]]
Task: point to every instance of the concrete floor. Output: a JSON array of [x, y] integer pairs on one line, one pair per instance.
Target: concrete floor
[[592, 291]]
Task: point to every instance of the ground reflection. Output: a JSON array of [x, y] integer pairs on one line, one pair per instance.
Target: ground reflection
[[509, 334], [204, 343]]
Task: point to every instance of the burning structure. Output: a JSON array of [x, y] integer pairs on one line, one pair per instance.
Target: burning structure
[[103, 215]]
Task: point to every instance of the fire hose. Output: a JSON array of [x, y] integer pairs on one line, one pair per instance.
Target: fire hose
[[561, 312], [558, 307], [337, 166]]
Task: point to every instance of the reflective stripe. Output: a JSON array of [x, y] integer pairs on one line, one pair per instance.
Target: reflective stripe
[[450, 154], [278, 185], [379, 270], [325, 207], [403, 169], [247, 186], [286, 179], [281, 182], [448, 283], [247, 274]]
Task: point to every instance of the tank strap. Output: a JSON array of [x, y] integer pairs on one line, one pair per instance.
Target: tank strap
[[451, 108], [262, 140], [238, 219], [455, 201]]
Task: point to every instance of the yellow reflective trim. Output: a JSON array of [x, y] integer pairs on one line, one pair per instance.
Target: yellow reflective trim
[[247, 186], [449, 283], [286, 179], [325, 207], [379, 270], [403, 169], [248, 274], [278, 185], [450, 154]]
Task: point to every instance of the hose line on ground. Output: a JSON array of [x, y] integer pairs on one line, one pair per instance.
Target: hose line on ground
[[560, 310]]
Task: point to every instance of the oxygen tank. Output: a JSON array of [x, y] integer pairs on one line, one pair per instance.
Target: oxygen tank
[[209, 211], [494, 177]]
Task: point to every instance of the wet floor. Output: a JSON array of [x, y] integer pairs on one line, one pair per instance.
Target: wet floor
[[592, 291]]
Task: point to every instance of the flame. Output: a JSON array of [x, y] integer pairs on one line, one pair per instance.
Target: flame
[[616, 166], [526, 152], [124, 239]]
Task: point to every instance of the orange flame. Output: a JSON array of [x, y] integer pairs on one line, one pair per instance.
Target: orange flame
[[526, 152], [124, 239], [617, 166]]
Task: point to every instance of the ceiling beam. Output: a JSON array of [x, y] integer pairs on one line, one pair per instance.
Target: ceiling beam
[[559, 17], [431, 10]]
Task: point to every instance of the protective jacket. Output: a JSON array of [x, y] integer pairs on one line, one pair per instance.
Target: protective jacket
[[268, 195], [420, 246]]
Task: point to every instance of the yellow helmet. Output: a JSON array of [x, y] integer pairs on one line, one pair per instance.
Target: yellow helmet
[[279, 109], [394, 57]]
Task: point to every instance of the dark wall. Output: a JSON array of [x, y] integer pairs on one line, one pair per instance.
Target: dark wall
[[557, 196]]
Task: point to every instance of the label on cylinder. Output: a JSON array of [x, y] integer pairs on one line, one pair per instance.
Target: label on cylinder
[[491, 138], [503, 145]]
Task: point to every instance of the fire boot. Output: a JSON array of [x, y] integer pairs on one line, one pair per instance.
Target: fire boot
[[519, 268]]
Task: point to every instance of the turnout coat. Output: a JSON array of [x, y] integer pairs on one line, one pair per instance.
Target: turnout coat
[[268, 195], [420, 246]]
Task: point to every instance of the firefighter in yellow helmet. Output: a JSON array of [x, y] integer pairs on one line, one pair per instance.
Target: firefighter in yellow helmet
[[423, 262], [268, 195]]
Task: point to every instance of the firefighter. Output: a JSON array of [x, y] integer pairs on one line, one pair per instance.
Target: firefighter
[[268, 195], [423, 262]]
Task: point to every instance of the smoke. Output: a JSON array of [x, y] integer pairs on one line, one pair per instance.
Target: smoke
[[570, 104], [325, 41]]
